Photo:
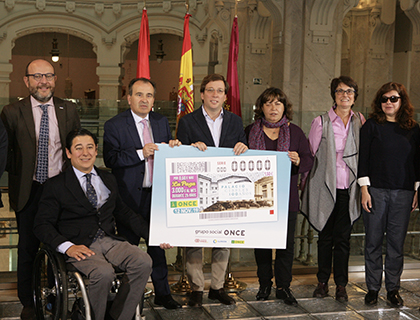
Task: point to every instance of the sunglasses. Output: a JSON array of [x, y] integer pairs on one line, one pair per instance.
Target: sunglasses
[[393, 99]]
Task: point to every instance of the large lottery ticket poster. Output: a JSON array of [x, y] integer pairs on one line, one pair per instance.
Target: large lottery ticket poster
[[217, 199]]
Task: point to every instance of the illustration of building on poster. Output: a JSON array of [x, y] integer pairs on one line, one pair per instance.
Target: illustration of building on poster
[[228, 190]]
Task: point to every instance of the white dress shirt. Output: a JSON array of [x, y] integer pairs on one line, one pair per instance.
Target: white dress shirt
[[102, 193], [215, 126]]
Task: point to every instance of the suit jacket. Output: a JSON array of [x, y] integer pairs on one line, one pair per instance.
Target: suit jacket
[[65, 213], [21, 157], [193, 128], [121, 142], [3, 152]]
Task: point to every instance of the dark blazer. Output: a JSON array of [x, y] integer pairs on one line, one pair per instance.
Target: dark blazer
[[65, 213], [121, 142], [3, 152], [193, 128], [21, 156]]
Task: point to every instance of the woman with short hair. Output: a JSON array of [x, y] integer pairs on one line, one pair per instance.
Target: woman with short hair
[[331, 199]]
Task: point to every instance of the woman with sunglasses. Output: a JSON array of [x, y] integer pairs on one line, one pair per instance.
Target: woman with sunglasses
[[331, 198], [388, 175]]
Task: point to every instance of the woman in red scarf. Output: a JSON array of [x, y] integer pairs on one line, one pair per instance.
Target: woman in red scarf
[[272, 130]]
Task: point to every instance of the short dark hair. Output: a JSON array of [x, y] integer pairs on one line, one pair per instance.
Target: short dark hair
[[348, 81], [213, 77], [145, 80], [27, 66], [405, 113], [269, 95], [77, 133]]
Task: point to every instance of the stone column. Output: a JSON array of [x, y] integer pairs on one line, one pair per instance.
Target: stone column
[[378, 69], [257, 56], [109, 72], [412, 10], [321, 54], [6, 67], [291, 66], [369, 49]]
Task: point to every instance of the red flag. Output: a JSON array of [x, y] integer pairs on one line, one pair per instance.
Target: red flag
[[233, 103], [143, 54], [186, 88]]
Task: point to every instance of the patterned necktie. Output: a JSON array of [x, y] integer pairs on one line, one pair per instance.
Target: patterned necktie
[[90, 191], [93, 199], [147, 139], [41, 174]]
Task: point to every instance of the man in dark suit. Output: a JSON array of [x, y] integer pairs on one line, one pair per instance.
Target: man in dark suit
[[129, 144], [77, 215], [29, 165], [3, 152], [212, 126]]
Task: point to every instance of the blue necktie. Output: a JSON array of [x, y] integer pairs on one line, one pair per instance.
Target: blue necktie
[[90, 191], [41, 174]]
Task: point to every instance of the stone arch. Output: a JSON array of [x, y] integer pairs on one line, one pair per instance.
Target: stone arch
[[28, 24], [23, 24]]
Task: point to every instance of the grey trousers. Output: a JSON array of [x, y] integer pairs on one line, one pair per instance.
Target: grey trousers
[[137, 265], [220, 259], [390, 214]]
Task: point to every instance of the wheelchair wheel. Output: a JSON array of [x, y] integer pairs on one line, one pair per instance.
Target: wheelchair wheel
[[50, 286]]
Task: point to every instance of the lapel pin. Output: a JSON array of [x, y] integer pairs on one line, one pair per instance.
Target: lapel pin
[[61, 107]]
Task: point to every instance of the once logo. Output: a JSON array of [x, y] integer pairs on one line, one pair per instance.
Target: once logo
[[236, 233]]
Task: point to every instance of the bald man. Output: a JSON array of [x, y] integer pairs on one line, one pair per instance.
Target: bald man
[[37, 127]]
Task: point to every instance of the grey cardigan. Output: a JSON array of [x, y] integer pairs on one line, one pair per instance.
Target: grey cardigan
[[319, 195]]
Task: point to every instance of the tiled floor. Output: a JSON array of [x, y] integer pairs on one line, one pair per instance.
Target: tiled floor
[[308, 307]]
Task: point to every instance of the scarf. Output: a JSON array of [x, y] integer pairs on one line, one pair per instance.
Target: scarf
[[256, 135]]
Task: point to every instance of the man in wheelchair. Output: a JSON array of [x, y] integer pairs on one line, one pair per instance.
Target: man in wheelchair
[[77, 215]]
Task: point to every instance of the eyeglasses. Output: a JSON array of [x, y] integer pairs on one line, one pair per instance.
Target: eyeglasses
[[38, 76], [349, 92], [393, 99], [212, 90]]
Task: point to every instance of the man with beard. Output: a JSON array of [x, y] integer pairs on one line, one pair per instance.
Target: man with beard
[[37, 127]]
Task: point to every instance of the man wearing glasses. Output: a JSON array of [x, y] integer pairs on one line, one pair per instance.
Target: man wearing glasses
[[37, 127], [211, 126]]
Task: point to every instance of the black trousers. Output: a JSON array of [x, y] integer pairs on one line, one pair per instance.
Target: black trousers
[[283, 262], [160, 268], [390, 214], [28, 245], [334, 242]]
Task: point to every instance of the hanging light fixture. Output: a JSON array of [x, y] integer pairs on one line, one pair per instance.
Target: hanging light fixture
[[160, 53], [55, 53]]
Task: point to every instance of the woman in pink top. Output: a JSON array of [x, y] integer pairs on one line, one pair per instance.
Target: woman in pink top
[[331, 199]]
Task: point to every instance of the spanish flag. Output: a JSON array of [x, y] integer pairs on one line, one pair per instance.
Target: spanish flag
[[143, 69], [233, 103], [186, 88]]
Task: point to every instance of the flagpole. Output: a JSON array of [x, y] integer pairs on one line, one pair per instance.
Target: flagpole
[[187, 100]]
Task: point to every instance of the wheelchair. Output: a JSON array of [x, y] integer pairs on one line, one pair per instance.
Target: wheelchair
[[60, 291]]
